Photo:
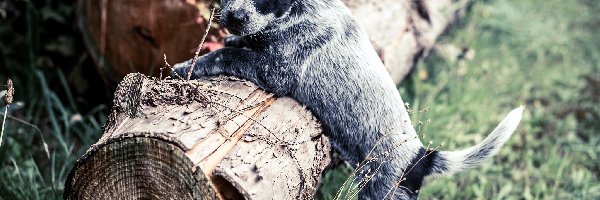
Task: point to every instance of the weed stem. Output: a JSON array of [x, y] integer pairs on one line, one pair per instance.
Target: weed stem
[[212, 15]]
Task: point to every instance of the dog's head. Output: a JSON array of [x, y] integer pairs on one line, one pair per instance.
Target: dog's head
[[245, 17]]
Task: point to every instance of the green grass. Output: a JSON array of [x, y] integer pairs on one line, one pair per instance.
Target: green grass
[[536, 53], [37, 47], [544, 54], [27, 172]]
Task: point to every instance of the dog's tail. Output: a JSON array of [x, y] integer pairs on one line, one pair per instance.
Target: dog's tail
[[447, 162]]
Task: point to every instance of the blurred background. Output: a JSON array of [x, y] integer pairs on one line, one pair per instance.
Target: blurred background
[[544, 54]]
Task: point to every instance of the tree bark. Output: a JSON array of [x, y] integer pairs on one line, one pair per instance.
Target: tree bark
[[402, 31], [221, 138], [134, 36]]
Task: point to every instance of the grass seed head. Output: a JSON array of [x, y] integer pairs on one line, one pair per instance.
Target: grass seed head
[[10, 91]]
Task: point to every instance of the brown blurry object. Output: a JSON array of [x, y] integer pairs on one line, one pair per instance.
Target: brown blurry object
[[133, 35]]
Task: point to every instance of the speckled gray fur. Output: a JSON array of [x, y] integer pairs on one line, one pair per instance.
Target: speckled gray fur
[[314, 51]]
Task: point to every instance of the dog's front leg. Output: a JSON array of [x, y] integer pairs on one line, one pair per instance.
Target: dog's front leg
[[243, 63]]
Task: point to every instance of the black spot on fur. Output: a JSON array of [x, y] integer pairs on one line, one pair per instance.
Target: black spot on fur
[[478, 155], [350, 29], [276, 7], [422, 165]]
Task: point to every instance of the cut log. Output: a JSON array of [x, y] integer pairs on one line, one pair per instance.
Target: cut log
[[128, 36], [403, 32], [219, 138]]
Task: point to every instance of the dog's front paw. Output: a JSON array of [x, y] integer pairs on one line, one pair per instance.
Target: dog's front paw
[[180, 70]]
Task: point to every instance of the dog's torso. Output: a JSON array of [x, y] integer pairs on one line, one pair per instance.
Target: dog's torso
[[334, 71], [314, 51]]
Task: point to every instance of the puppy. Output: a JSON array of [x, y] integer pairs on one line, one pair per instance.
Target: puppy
[[314, 51]]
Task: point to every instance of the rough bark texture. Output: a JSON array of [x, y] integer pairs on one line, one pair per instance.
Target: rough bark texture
[[163, 138], [403, 31]]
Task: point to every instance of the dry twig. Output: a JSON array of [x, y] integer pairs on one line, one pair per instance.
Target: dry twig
[[212, 15]]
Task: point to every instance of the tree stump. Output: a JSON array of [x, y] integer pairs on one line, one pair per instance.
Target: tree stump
[[128, 36], [218, 138]]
